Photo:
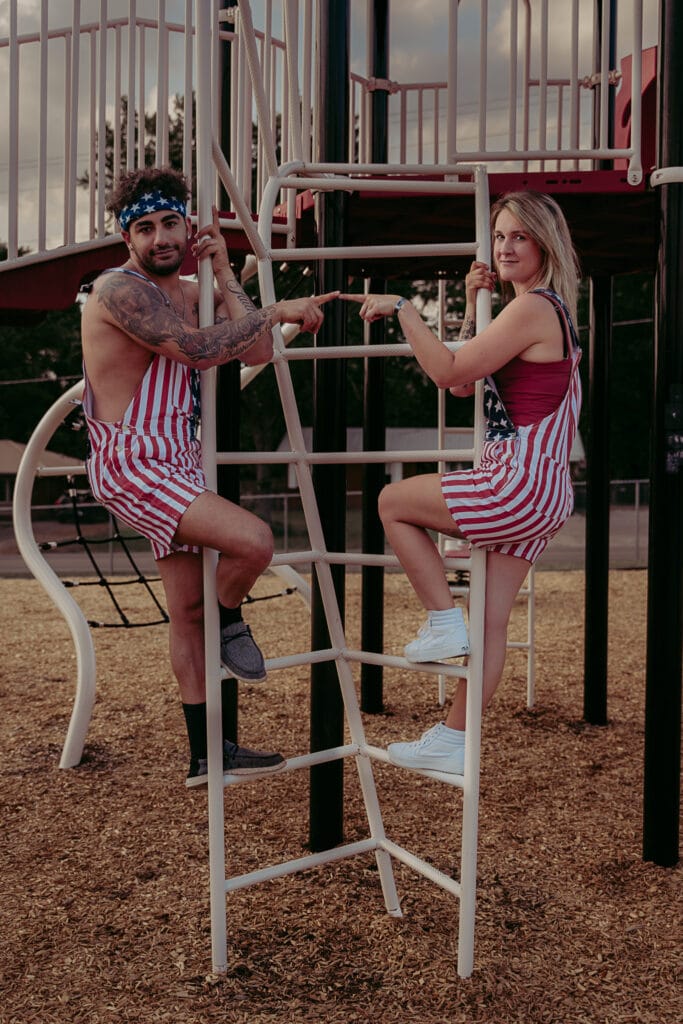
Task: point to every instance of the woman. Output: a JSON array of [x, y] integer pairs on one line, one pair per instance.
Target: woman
[[520, 494]]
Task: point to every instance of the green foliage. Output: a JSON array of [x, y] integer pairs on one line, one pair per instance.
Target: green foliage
[[45, 352]]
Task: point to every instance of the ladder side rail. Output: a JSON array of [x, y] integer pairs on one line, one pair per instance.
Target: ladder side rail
[[84, 698], [470, 812], [328, 596], [207, 83]]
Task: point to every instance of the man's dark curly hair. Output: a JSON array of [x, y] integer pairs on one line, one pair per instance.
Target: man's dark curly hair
[[133, 184]]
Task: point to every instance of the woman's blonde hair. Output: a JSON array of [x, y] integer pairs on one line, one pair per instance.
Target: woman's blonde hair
[[544, 221]]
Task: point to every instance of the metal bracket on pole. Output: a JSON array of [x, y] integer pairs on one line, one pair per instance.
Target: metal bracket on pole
[[666, 176]]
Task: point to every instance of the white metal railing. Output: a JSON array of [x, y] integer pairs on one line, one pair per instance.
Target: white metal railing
[[510, 98]]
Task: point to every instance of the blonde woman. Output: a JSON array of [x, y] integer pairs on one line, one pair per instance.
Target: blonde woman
[[521, 493]]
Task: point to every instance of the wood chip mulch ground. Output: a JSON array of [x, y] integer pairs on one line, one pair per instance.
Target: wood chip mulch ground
[[105, 899]]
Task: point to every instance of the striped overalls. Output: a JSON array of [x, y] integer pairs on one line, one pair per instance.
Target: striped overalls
[[521, 493], [146, 467]]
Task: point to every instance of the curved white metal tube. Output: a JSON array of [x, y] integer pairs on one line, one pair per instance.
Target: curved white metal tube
[[36, 563]]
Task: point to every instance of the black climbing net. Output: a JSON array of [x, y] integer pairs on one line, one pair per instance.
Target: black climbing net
[[87, 544]]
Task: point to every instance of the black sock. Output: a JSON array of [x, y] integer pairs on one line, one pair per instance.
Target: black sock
[[229, 615], [195, 719]]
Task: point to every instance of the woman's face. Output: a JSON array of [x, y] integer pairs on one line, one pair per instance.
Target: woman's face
[[517, 256]]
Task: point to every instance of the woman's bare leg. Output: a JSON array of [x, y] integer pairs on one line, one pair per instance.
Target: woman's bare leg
[[504, 576], [408, 509]]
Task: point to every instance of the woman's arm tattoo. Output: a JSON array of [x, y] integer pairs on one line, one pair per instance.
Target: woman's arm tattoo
[[141, 311], [468, 328]]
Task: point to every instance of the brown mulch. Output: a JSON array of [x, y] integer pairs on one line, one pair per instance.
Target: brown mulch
[[104, 898]]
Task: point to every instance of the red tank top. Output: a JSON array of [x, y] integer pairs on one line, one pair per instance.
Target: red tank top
[[531, 391]]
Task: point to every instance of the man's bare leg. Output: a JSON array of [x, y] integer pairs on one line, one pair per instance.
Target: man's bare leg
[[182, 578], [245, 546]]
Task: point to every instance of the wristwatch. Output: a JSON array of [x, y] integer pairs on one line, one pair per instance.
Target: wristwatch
[[399, 305]]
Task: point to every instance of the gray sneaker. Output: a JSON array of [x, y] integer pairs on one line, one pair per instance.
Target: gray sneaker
[[240, 654], [236, 761]]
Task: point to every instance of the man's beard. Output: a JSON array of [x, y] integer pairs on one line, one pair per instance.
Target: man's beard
[[165, 269]]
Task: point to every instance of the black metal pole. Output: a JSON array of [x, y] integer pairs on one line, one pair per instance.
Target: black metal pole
[[661, 797], [597, 483], [228, 394], [374, 422], [326, 811], [597, 505]]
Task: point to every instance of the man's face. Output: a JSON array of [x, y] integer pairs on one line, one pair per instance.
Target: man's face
[[158, 241]]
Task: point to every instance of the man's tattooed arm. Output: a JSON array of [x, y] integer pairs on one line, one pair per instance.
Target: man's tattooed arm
[[230, 288], [141, 311]]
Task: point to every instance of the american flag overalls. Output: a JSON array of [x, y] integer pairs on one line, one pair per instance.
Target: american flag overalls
[[521, 493]]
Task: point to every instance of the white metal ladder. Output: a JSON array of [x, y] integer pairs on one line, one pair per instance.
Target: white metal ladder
[[299, 175]]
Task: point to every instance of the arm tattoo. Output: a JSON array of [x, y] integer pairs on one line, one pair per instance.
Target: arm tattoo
[[467, 330], [141, 311], [235, 288]]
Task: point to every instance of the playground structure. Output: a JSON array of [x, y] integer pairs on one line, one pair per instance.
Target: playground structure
[[596, 197]]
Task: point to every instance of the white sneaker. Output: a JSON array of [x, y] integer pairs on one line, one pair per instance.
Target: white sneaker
[[436, 750], [434, 644]]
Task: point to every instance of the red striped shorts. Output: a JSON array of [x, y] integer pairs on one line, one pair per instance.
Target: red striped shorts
[[148, 493]]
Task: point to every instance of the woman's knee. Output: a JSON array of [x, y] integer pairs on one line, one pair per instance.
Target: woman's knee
[[387, 504]]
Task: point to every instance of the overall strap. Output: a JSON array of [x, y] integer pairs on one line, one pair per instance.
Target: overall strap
[[571, 340]]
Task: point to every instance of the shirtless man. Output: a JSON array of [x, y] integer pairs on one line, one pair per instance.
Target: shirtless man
[[142, 348]]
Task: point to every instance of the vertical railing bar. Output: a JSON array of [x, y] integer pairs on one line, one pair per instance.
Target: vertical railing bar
[[71, 155], [247, 38], [306, 104], [635, 168], [162, 145], [527, 76], [118, 101], [543, 82], [290, 13], [102, 120], [483, 72], [604, 75], [42, 157], [92, 154], [452, 101], [560, 101], [130, 120], [188, 122], [267, 60], [512, 77], [574, 113], [142, 88]]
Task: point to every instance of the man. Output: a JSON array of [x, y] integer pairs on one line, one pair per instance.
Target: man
[[142, 348]]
